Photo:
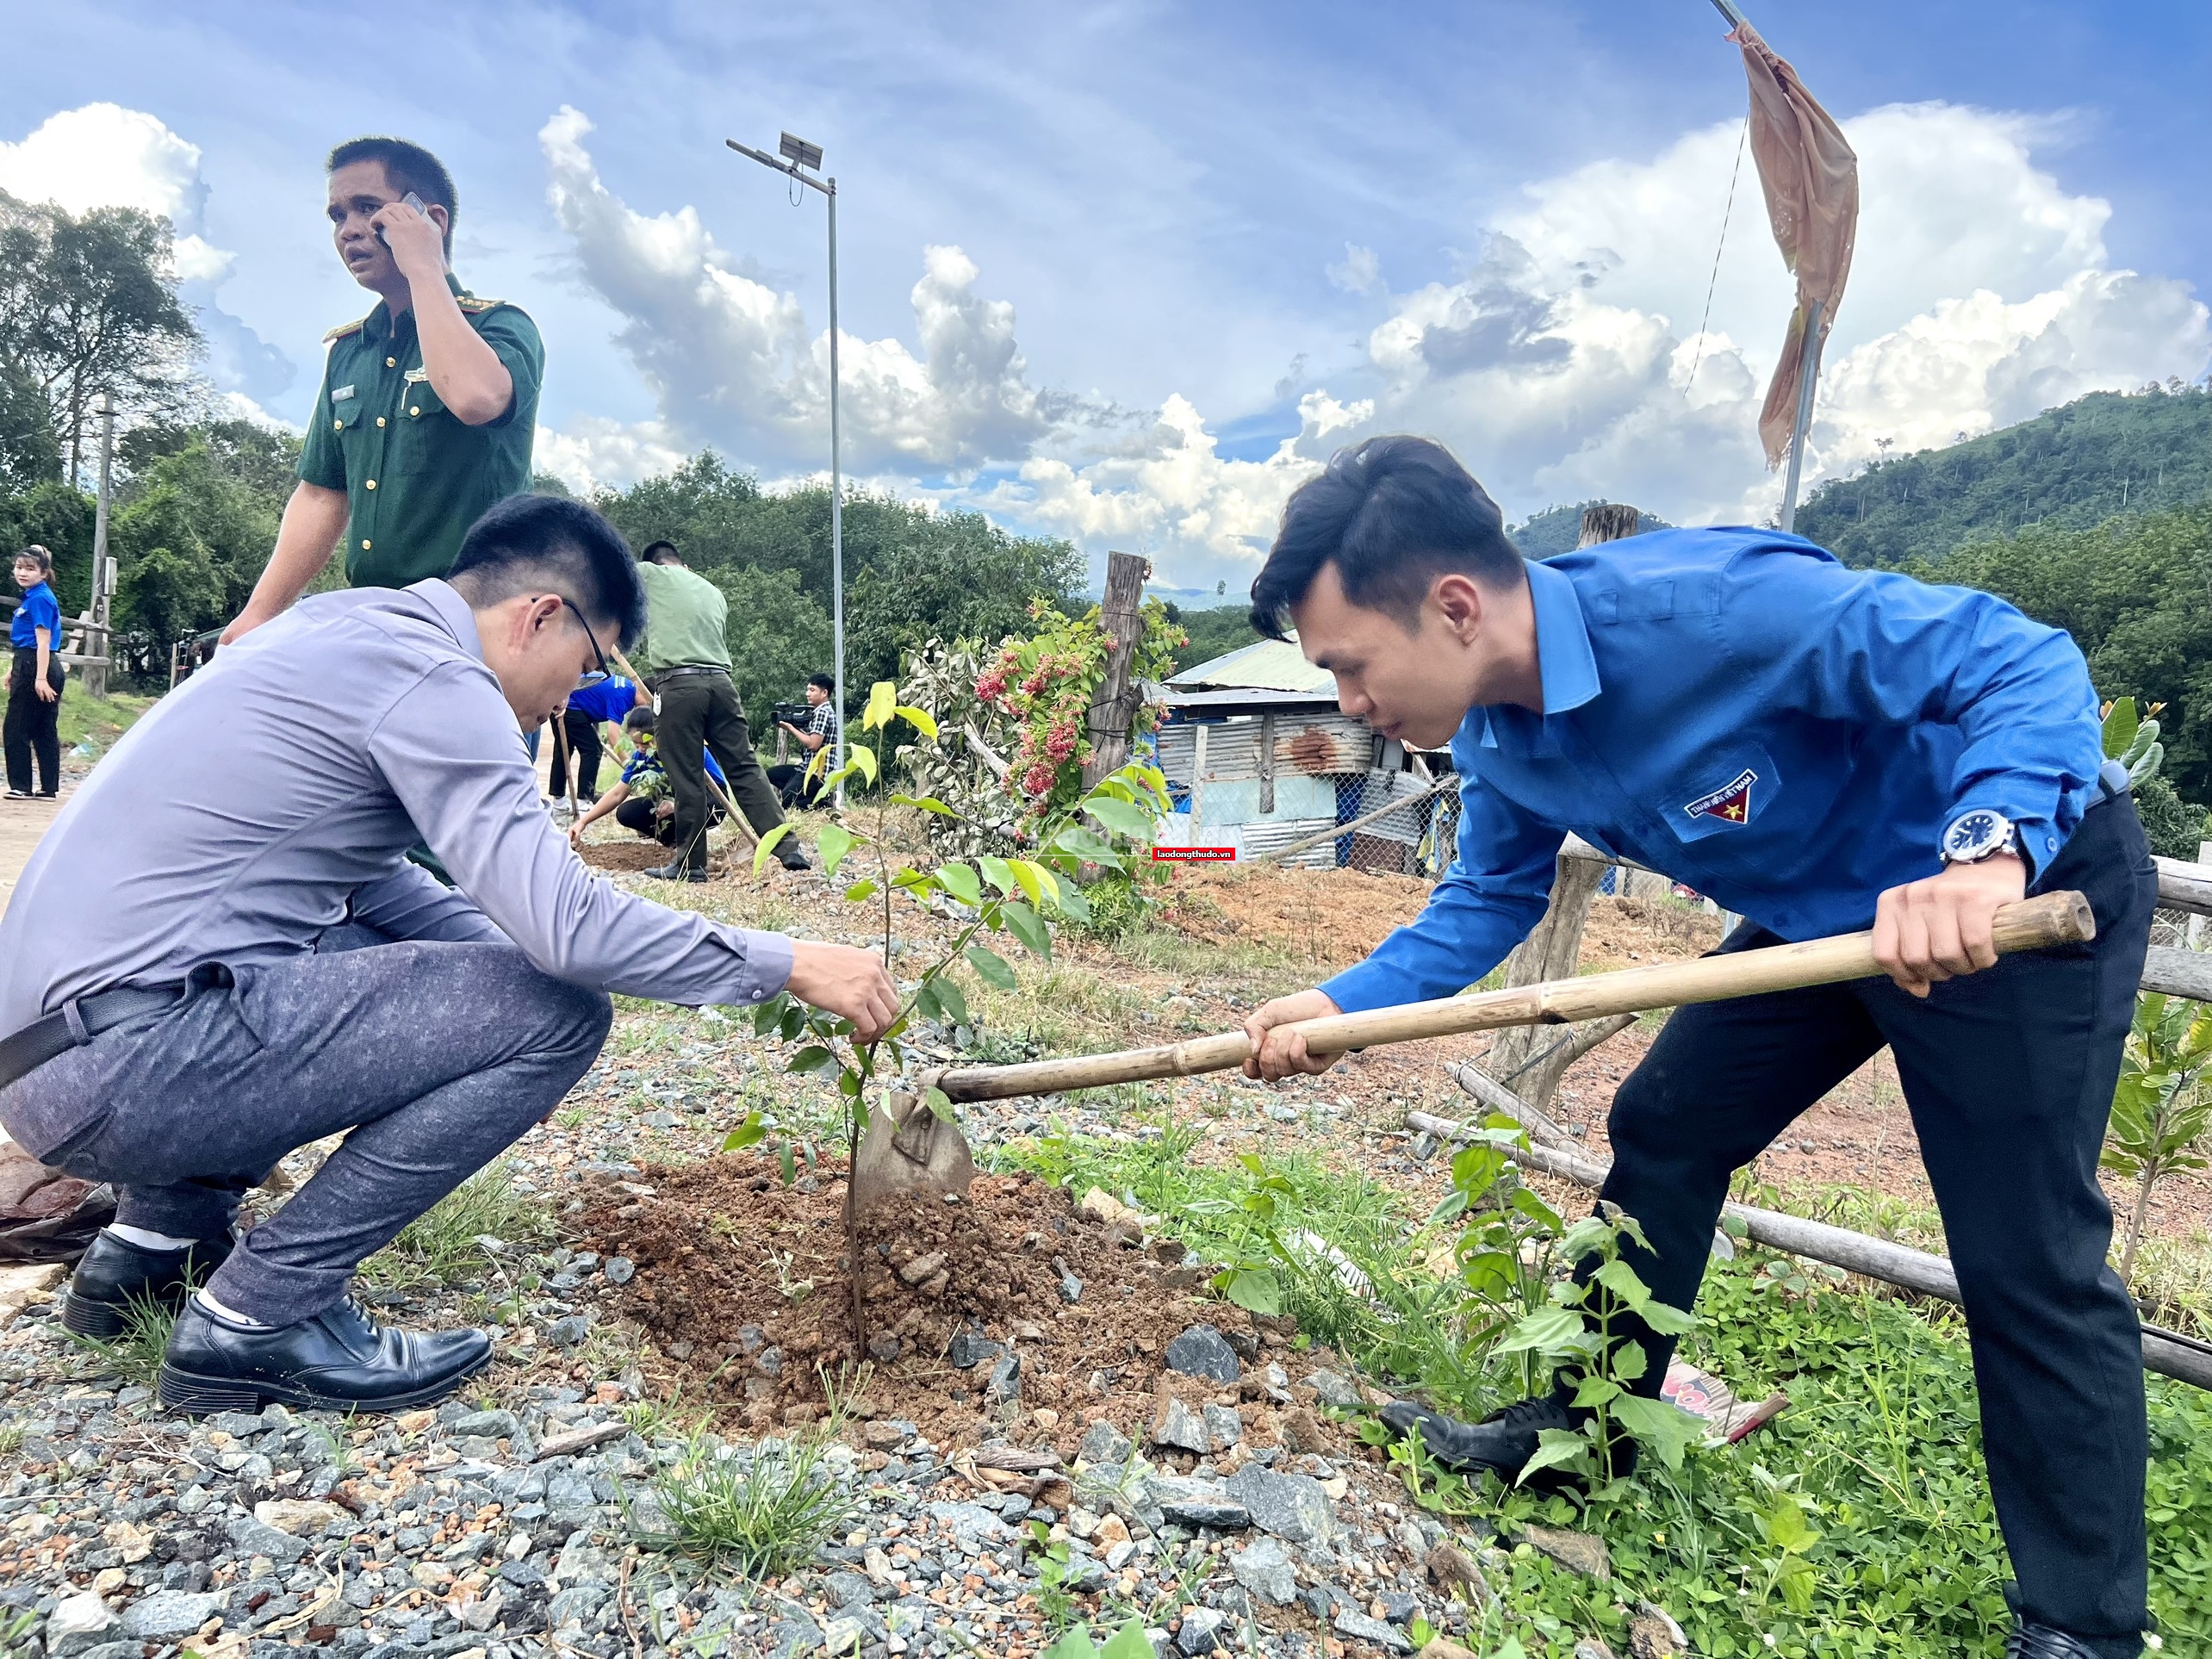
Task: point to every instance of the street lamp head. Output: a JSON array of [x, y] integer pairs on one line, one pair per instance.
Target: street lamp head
[[798, 150]]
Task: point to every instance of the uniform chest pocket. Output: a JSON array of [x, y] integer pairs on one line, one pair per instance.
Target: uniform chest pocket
[[420, 403], [346, 414], [1724, 792]]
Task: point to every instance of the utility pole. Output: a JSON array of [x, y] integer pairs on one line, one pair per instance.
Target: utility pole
[[802, 161], [104, 568]]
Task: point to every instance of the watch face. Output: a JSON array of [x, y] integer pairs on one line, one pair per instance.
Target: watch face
[[1973, 833]]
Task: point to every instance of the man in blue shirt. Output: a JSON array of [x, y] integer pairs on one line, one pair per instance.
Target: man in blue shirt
[[1823, 750], [34, 679]]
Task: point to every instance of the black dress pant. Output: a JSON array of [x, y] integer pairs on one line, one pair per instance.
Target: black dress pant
[[794, 787], [581, 745], [699, 711], [2009, 1074], [640, 815], [32, 728]]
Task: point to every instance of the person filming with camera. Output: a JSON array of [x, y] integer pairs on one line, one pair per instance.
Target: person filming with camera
[[799, 782]]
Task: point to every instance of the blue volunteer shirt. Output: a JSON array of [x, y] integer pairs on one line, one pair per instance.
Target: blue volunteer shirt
[[610, 699], [1736, 709], [39, 609]]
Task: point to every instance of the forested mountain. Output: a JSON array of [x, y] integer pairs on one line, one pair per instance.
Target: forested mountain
[[2069, 468]]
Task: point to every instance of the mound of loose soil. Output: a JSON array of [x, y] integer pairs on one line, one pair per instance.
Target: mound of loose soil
[[741, 1281]]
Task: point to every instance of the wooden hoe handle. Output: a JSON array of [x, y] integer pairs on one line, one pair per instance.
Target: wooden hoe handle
[[2048, 919]]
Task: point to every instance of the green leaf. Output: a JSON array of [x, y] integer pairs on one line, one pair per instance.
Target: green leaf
[[789, 1164], [1595, 1391], [1255, 1289], [921, 719], [1617, 1276], [2120, 727], [1555, 1449], [1121, 817], [999, 874], [860, 890], [951, 998], [1072, 903], [926, 803], [991, 967], [769, 1015], [862, 759], [927, 1001], [1667, 1321], [941, 1106], [1130, 1642], [813, 1057], [766, 849], [1039, 883], [1667, 1429], [1028, 927], [1082, 843], [882, 702], [750, 1133], [961, 882], [1548, 1330], [834, 841]]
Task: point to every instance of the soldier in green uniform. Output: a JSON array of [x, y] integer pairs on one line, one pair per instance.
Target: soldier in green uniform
[[428, 404]]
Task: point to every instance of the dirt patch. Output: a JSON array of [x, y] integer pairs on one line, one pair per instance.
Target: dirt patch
[[741, 1283], [1333, 917]]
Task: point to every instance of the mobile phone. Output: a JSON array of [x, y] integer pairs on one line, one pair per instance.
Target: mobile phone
[[413, 201]]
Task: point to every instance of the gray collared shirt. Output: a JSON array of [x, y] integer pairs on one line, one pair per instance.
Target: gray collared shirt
[[274, 795]]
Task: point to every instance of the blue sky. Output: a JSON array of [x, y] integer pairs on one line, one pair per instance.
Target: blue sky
[[1179, 252]]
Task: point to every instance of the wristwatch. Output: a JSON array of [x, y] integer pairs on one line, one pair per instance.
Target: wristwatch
[[1978, 833]]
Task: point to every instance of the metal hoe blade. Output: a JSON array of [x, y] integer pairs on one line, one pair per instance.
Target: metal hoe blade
[[909, 1149]]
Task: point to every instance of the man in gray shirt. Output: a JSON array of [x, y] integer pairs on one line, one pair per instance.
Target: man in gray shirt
[[220, 953]]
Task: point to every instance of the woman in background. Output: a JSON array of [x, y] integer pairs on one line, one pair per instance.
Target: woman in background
[[35, 680]]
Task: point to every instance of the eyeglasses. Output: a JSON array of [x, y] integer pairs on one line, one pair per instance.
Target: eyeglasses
[[591, 677]]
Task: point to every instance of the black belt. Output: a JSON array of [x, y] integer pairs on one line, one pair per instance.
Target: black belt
[[81, 1019], [692, 668]]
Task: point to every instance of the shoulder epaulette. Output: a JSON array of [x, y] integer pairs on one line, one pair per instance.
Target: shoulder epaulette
[[343, 329], [476, 305]]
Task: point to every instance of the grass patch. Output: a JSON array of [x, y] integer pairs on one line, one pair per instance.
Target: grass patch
[[1873, 1473], [135, 1356], [447, 1245], [761, 1512], [97, 721]]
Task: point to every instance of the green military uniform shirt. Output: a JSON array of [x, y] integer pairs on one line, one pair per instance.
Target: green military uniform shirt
[[415, 476], [685, 615]]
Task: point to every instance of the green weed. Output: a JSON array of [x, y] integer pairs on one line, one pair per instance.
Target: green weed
[[762, 1515], [135, 1355], [446, 1246]]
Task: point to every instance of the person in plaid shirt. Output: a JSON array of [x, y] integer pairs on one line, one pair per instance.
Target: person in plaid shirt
[[791, 780]]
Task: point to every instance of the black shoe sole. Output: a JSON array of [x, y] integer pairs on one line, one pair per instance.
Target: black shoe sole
[[103, 1321], [202, 1396]]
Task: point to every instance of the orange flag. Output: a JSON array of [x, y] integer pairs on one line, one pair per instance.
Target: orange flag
[[1810, 174]]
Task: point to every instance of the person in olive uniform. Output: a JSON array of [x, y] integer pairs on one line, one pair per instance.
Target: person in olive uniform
[[428, 404], [688, 659]]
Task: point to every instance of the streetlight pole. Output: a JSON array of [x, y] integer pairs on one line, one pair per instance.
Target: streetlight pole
[[800, 160]]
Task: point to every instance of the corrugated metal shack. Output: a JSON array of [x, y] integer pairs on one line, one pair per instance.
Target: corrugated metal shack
[[1259, 757]]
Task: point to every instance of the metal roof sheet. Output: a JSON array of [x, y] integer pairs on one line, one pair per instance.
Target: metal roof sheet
[[1265, 665]]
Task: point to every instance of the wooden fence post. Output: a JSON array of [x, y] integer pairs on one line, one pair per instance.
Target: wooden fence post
[[1607, 521], [1115, 705], [1531, 1059]]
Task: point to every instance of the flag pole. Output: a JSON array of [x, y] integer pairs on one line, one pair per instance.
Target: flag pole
[[1808, 375]]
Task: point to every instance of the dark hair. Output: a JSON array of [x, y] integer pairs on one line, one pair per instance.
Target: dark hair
[[639, 718], [542, 544], [1392, 513], [662, 553], [38, 557], [828, 682], [407, 167]]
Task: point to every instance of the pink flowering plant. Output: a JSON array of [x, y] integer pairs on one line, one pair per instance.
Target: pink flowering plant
[[1045, 686]]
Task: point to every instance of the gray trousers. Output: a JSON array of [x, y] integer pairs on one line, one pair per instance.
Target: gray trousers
[[436, 1056]]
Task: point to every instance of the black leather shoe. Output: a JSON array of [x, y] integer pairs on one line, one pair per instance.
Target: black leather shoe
[[340, 1360], [676, 870], [114, 1273], [791, 857], [2029, 1640], [1502, 1443]]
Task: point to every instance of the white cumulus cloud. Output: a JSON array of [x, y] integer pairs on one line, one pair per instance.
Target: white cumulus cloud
[[102, 155], [732, 361]]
